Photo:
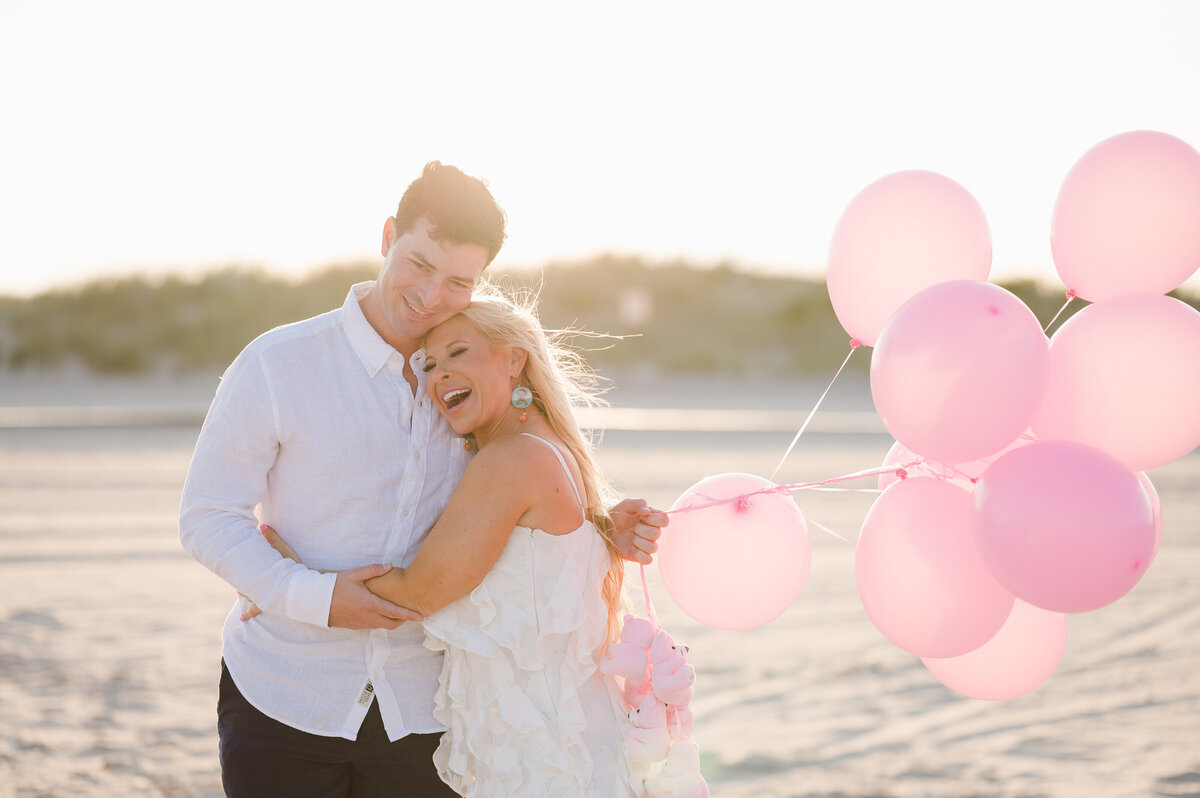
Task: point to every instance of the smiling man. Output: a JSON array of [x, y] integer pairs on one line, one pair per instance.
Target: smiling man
[[323, 429]]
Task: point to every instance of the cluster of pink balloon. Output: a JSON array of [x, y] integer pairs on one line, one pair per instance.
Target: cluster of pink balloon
[[1030, 501]]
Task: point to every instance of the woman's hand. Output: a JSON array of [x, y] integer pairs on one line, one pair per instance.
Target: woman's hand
[[636, 529], [353, 605], [280, 545]]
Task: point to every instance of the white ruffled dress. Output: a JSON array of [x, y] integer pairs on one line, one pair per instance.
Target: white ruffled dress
[[527, 712]]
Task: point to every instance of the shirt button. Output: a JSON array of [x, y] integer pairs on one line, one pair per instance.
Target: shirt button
[[404, 513], [416, 455]]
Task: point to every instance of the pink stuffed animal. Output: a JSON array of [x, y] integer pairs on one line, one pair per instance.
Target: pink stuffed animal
[[649, 739], [679, 722], [680, 774], [658, 685], [629, 657], [671, 676]]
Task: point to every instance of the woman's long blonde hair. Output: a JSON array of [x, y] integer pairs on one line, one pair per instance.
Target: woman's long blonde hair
[[559, 378]]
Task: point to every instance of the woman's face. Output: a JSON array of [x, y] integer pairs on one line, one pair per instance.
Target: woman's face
[[469, 379]]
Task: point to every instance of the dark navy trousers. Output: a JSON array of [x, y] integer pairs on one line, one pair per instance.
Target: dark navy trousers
[[262, 758]]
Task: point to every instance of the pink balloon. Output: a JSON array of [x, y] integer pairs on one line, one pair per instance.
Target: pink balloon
[[962, 474], [899, 235], [900, 455], [897, 456], [1127, 217], [920, 576], [1063, 526], [1155, 508], [959, 371], [1125, 378], [969, 472], [735, 565], [1018, 660]]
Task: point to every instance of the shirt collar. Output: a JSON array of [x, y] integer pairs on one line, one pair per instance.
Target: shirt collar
[[371, 349]]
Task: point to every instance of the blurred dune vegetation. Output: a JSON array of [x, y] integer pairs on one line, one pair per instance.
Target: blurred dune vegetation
[[674, 317]]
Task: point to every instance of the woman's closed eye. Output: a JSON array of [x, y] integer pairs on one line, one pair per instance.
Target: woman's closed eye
[[431, 363]]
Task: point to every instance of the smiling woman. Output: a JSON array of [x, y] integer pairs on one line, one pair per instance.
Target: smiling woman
[[469, 378]]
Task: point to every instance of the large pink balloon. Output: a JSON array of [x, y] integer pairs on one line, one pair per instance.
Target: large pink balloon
[[1063, 526], [1127, 217], [920, 576], [1125, 378], [1022, 655], [735, 565], [959, 371], [899, 235]]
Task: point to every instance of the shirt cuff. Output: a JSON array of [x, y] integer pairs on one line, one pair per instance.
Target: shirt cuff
[[309, 596]]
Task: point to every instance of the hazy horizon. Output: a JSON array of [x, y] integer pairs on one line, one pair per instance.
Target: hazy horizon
[[814, 273]]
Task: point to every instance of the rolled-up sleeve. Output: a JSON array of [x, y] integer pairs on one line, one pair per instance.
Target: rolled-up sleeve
[[226, 480]]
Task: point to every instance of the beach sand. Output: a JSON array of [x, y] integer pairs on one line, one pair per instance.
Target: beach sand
[[110, 645]]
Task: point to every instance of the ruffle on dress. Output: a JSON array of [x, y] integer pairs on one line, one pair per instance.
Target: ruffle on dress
[[519, 652]]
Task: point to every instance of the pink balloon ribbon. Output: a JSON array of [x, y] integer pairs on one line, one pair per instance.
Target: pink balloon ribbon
[[830, 531], [854, 345], [900, 469], [646, 594], [1070, 296]]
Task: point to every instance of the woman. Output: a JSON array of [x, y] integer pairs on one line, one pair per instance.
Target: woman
[[519, 581]]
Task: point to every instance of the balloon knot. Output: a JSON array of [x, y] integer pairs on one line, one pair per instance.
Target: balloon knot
[[855, 343], [901, 473], [974, 480], [1071, 293], [743, 503]]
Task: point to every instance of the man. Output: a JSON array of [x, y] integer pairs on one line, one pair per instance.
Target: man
[[324, 426]]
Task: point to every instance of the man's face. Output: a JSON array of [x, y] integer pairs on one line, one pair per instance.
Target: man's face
[[423, 282]]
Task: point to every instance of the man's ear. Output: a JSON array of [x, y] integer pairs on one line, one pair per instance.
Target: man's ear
[[389, 235]]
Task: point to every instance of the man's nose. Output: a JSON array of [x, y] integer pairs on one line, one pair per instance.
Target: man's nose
[[431, 293]]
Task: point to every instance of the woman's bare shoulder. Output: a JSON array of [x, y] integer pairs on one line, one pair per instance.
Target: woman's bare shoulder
[[521, 453]]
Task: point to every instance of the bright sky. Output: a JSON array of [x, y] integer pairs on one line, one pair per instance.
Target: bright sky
[[154, 136]]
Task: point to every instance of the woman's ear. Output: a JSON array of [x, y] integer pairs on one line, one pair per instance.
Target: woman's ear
[[519, 356]]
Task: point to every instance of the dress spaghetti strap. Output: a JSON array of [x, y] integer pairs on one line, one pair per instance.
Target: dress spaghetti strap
[[561, 461]]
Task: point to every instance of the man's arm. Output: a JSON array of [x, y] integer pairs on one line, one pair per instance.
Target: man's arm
[[227, 478], [637, 528], [497, 488]]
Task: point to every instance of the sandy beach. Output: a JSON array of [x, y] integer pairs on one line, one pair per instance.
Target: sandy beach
[[109, 633]]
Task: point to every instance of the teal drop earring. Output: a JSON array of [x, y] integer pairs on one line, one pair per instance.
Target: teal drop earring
[[522, 397]]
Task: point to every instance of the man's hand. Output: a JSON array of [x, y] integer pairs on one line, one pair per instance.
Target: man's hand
[[637, 528], [355, 607]]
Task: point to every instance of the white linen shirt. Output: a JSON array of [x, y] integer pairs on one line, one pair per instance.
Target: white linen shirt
[[315, 421]]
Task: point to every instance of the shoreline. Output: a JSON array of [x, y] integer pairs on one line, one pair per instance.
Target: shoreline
[[636, 402]]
